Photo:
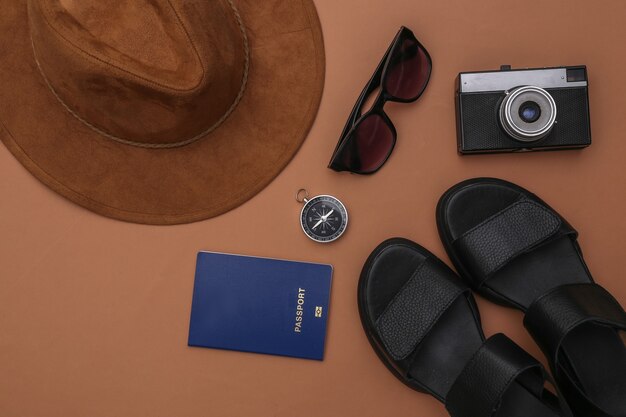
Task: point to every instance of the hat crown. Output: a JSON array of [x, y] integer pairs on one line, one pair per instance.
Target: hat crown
[[152, 73]]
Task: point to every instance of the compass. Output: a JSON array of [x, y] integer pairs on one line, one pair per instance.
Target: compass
[[323, 218]]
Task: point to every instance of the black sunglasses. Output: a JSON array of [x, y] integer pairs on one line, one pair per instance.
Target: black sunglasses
[[367, 140]]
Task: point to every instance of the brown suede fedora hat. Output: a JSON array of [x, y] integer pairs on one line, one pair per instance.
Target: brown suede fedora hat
[[158, 111]]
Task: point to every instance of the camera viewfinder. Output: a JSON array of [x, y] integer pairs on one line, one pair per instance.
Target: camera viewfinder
[[576, 74]]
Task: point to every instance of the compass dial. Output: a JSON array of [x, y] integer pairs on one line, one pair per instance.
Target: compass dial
[[324, 218]]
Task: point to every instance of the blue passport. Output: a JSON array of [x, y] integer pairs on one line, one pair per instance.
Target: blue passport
[[260, 305]]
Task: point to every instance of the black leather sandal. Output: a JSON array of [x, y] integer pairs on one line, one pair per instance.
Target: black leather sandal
[[514, 249], [422, 321]]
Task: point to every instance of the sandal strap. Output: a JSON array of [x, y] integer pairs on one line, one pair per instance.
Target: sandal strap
[[417, 307], [554, 315], [479, 388], [516, 229]]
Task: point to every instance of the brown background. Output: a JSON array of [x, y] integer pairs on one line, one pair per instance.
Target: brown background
[[94, 312]]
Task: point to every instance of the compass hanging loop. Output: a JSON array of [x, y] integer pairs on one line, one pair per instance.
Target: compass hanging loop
[[302, 196]]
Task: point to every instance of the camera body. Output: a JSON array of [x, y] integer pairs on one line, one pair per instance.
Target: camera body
[[522, 110]]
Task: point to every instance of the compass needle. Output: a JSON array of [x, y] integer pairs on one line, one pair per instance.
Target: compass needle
[[317, 224]]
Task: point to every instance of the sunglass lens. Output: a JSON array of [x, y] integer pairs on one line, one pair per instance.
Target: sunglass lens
[[369, 145], [408, 70]]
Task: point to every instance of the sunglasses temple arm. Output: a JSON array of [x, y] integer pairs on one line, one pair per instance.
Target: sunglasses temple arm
[[371, 85], [374, 82]]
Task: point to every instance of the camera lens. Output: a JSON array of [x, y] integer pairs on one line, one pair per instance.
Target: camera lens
[[527, 113]]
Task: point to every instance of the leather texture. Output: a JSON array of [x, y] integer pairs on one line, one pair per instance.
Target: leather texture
[[158, 111], [416, 308], [556, 315], [430, 337], [553, 316], [164, 75], [389, 280], [478, 390], [496, 241], [534, 263]]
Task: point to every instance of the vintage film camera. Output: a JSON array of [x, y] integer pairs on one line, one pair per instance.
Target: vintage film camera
[[522, 110]]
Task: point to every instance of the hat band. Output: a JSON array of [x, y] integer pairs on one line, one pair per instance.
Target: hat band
[[244, 82]]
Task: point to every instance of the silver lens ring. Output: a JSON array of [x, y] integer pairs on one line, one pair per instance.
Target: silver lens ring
[[514, 124]]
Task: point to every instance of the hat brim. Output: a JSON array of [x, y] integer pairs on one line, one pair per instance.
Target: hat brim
[[178, 185]]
